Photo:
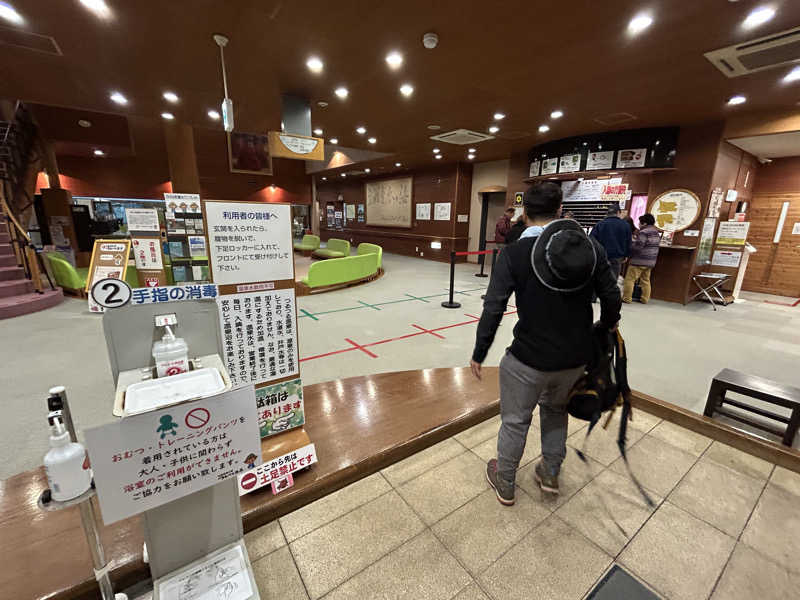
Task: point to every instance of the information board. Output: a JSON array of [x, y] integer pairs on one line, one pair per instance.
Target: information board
[[675, 210], [109, 261], [732, 233], [388, 202]]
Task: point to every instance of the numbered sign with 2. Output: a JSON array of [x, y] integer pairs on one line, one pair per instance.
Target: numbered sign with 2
[[111, 293]]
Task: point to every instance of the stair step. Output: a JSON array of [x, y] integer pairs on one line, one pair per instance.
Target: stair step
[[6, 249], [7, 273], [15, 287], [4, 238], [8, 260], [23, 304]]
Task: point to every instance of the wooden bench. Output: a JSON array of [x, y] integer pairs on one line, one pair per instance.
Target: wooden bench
[[762, 389]]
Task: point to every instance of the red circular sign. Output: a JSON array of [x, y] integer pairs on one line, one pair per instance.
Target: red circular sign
[[249, 481], [197, 418]]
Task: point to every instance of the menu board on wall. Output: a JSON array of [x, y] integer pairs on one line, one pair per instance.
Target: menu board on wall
[[569, 163], [549, 166], [599, 160], [631, 158], [588, 190], [534, 168]]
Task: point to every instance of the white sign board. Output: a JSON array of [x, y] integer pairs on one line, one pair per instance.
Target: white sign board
[[630, 158], [796, 229], [277, 468], [533, 171], [249, 241], [147, 460], [221, 575], [588, 190], [424, 211], [726, 258], [147, 253], [182, 202], [732, 233], [549, 166], [569, 163], [170, 293], [142, 219], [259, 335], [463, 218], [599, 160], [441, 211]]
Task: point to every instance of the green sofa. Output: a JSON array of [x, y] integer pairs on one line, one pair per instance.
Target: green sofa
[[308, 244], [336, 248], [342, 270], [366, 248]]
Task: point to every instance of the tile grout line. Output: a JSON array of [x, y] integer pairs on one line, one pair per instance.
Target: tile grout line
[[294, 559]]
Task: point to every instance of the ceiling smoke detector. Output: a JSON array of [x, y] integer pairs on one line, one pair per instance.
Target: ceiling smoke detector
[[84, 123], [430, 40]]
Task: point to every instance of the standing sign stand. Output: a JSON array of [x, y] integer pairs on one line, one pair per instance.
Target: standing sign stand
[[109, 261]]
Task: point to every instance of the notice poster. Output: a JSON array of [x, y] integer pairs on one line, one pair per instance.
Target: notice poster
[[331, 221], [441, 211], [259, 335], [706, 242], [632, 158], [142, 219], [147, 254], [277, 468], [588, 190], [424, 211], [144, 461], [533, 171], [715, 203], [338, 218], [569, 163], [280, 407], [221, 575], [599, 160], [732, 233], [727, 258], [549, 166], [350, 210], [197, 246], [109, 261], [182, 202], [615, 194], [360, 213], [249, 242]]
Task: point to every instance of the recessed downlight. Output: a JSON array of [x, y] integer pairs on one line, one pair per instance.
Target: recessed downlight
[[394, 59], [315, 64], [758, 16], [318, 131], [556, 114], [372, 140], [792, 75], [406, 89], [471, 150], [397, 164], [171, 97], [341, 92], [84, 123], [168, 116], [498, 116], [361, 130], [333, 141], [436, 151], [738, 99], [98, 7], [470, 156], [639, 23], [10, 14], [343, 175], [324, 178], [544, 128], [98, 152], [434, 127], [438, 156], [367, 170], [494, 129], [118, 98], [213, 114]]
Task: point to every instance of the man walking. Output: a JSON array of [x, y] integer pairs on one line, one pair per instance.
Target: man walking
[[644, 255], [553, 274], [615, 236], [503, 226]]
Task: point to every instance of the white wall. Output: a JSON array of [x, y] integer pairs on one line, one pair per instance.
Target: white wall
[[483, 175]]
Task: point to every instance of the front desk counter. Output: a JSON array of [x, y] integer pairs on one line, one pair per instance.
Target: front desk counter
[[672, 276]]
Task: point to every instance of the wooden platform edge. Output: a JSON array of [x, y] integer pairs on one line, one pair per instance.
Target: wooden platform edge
[[772, 452]]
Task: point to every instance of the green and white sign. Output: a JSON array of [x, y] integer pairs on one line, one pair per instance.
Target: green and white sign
[[280, 407]]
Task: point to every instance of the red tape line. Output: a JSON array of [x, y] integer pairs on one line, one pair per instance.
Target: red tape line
[[476, 252]]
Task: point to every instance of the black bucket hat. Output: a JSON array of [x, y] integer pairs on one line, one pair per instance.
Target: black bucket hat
[[564, 258]]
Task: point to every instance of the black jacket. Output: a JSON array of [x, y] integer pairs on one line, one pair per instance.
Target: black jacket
[[514, 233], [554, 331]]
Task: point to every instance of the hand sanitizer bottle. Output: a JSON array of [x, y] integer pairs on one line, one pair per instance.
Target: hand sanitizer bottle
[[171, 354], [66, 464]]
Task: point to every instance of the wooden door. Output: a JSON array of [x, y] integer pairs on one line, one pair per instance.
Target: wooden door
[[775, 268]]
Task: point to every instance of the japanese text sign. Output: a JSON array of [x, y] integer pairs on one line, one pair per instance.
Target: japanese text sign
[[249, 242], [147, 460], [280, 407], [259, 335], [170, 293], [277, 468]]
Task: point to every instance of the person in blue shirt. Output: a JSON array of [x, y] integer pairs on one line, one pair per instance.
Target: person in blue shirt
[[614, 235]]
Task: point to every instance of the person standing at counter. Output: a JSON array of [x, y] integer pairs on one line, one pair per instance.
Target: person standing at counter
[[644, 254], [615, 236], [503, 226]]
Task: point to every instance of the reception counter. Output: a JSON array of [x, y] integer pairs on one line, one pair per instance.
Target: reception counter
[[672, 276]]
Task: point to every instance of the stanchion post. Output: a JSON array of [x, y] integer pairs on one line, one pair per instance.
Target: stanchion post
[[482, 261], [450, 303]]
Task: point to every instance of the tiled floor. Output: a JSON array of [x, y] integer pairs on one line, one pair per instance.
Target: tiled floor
[[726, 525]]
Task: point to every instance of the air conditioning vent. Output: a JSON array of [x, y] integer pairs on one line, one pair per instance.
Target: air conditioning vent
[[28, 41], [757, 55], [462, 137], [615, 118]]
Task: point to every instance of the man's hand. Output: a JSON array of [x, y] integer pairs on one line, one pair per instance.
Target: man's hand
[[476, 369]]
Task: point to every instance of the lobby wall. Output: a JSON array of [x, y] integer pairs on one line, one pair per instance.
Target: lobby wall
[[485, 174]]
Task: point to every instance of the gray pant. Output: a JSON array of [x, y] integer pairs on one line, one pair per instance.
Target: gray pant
[[521, 389]]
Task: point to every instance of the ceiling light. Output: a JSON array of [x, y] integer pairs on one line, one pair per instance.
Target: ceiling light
[[84, 123], [318, 131], [471, 156], [372, 140], [99, 152], [734, 100], [758, 16], [167, 115], [333, 141], [556, 114], [10, 14], [394, 59], [118, 98], [322, 104], [436, 151], [367, 170], [341, 92], [98, 7], [343, 175], [792, 75], [438, 156], [170, 97], [639, 23], [544, 128], [494, 129], [498, 116], [406, 89], [471, 150], [324, 179], [398, 164], [314, 64], [361, 130], [213, 114], [434, 127]]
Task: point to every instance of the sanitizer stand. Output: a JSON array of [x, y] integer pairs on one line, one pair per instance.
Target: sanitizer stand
[[188, 531]]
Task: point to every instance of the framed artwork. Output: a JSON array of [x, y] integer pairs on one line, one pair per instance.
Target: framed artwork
[[249, 153]]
